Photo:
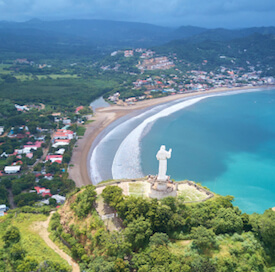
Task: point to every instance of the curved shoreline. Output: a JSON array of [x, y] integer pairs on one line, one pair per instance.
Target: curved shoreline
[[107, 116]]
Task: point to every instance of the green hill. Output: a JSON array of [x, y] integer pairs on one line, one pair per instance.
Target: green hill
[[257, 50], [165, 235]]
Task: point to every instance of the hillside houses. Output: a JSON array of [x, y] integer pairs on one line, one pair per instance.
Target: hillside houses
[[162, 63], [128, 53]]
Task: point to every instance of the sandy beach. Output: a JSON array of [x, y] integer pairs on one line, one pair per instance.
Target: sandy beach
[[104, 117]]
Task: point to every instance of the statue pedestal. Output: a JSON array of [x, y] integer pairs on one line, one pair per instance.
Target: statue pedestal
[[161, 189]]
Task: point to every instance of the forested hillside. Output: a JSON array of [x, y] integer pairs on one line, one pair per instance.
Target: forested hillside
[[165, 235], [257, 50]]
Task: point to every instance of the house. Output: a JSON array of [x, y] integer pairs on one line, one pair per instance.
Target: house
[[1, 130], [59, 199], [54, 158], [29, 155], [29, 146], [60, 151], [12, 169], [4, 154], [21, 108], [78, 109], [58, 143], [3, 208], [66, 121], [43, 191], [128, 53], [63, 134], [48, 176]]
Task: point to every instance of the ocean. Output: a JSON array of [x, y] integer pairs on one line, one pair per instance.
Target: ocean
[[225, 142]]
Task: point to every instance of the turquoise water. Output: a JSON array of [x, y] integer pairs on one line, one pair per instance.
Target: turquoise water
[[226, 143]]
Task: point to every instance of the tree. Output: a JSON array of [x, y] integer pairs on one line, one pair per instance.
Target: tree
[[201, 264], [203, 238], [264, 225], [159, 239], [112, 195], [29, 264], [52, 202], [11, 236], [138, 232], [117, 245], [66, 158], [84, 201], [17, 252], [227, 221]]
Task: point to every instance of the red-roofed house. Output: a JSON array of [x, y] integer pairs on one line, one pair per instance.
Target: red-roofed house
[[54, 158], [44, 194], [27, 148], [58, 161], [62, 141], [63, 134], [29, 155], [42, 190], [78, 109]]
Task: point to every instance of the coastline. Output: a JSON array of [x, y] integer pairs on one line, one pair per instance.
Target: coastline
[[106, 116]]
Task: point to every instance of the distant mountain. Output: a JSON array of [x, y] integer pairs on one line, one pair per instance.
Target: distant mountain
[[92, 37], [221, 34]]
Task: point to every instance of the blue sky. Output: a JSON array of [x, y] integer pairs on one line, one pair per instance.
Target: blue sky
[[206, 13]]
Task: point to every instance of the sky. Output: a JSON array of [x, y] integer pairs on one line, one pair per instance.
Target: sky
[[204, 13]]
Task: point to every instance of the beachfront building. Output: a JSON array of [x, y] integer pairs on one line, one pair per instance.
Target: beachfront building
[[54, 158], [58, 143], [63, 134]]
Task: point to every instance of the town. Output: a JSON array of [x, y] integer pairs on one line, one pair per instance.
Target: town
[[34, 157], [37, 142]]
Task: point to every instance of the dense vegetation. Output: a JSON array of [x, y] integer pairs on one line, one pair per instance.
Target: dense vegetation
[[167, 235], [22, 249], [256, 50]]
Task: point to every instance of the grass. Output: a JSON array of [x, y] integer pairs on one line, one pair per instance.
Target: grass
[[24, 77], [137, 188], [30, 240], [80, 131], [4, 72], [190, 193], [178, 247], [89, 122]]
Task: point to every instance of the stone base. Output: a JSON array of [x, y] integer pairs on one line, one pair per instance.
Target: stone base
[[161, 189]]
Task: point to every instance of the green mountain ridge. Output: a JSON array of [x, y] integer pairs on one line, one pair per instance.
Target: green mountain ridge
[[115, 33]]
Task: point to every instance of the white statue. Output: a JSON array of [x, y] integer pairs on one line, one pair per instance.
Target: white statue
[[162, 156]]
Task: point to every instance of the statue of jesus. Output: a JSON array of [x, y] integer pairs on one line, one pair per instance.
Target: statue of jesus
[[162, 157]]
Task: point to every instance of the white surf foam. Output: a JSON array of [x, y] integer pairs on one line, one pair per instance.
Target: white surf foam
[[127, 162], [112, 134]]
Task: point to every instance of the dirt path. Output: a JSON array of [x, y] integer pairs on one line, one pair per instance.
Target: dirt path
[[10, 197], [42, 228]]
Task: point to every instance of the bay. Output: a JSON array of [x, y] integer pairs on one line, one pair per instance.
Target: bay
[[226, 143]]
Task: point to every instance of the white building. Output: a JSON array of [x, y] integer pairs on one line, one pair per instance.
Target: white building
[[3, 208], [1, 130], [59, 199], [12, 169]]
